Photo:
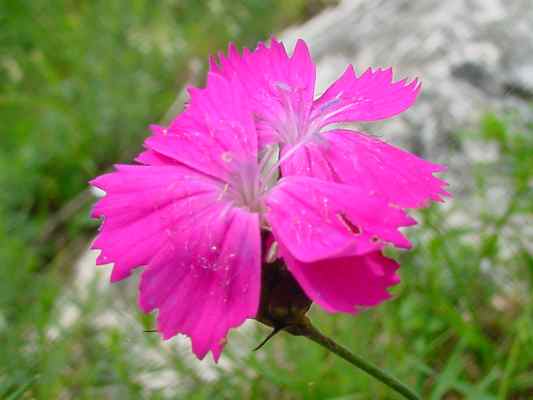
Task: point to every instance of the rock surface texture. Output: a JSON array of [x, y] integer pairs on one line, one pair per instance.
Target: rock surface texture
[[472, 56]]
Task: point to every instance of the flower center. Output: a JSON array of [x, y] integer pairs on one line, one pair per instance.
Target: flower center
[[247, 186], [295, 124], [291, 121]]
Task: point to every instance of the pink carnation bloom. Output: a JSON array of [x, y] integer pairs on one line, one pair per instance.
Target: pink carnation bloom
[[281, 92], [193, 209]]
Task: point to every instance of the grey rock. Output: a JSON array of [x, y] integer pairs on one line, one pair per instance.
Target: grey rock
[[472, 56]]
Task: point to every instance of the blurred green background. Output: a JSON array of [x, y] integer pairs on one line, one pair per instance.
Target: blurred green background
[[79, 83]]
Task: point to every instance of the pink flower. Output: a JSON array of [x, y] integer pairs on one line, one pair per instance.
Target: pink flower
[[281, 91], [193, 210]]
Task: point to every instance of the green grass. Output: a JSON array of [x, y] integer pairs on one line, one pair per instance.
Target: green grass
[[79, 82]]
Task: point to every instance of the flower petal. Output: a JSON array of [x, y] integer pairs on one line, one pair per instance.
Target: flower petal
[[280, 88], [214, 135], [370, 97], [142, 207], [150, 157], [271, 65], [315, 219], [202, 254], [302, 71], [207, 282], [358, 159], [345, 284]]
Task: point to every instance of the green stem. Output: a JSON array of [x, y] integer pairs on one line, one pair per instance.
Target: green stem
[[309, 331]]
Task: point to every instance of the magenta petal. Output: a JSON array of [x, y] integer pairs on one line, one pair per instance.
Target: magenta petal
[[142, 207], [302, 70], [316, 219], [214, 135], [264, 66], [345, 284], [369, 97], [150, 157], [372, 165], [202, 254], [206, 280], [279, 88]]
